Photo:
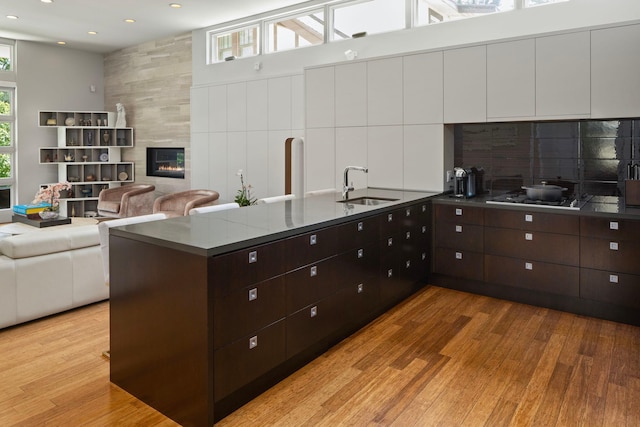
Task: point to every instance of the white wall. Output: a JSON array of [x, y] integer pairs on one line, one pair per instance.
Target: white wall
[[49, 78], [327, 145]]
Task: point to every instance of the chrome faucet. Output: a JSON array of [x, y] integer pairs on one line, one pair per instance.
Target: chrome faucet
[[345, 186]]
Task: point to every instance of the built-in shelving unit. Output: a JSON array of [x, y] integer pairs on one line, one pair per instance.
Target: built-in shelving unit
[[88, 156]]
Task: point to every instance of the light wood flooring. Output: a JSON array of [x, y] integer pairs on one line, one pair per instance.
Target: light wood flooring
[[442, 358]]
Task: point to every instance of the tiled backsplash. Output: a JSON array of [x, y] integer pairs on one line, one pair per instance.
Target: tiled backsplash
[[592, 155]]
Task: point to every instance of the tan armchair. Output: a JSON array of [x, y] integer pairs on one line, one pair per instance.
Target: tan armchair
[[179, 204], [126, 201]]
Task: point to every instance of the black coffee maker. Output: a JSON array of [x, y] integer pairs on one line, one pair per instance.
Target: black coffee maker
[[464, 182]]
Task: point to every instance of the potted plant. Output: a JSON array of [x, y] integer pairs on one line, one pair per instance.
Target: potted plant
[[51, 195], [244, 198]]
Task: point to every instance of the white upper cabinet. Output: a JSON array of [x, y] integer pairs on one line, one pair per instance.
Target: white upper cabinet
[[511, 80], [320, 97], [465, 85], [351, 94], [615, 75], [563, 75], [423, 88], [384, 92]]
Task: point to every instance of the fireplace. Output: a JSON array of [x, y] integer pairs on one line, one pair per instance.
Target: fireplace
[[166, 162]]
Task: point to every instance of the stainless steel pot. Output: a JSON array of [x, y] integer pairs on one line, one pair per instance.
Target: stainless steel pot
[[544, 192]]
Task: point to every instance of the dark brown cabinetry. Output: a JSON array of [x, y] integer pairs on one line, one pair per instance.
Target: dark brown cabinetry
[[245, 319], [459, 241], [610, 261], [532, 250]]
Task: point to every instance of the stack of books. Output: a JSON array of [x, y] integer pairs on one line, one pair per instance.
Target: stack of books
[[30, 211]]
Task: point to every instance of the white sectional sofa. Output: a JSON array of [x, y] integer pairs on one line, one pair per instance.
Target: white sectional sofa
[[49, 271]]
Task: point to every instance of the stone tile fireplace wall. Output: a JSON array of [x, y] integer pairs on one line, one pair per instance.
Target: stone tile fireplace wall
[[592, 154]]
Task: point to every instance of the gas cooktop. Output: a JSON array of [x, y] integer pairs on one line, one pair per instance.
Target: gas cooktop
[[520, 199]]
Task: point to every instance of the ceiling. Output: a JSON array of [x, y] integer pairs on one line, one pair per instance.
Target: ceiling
[[71, 20]]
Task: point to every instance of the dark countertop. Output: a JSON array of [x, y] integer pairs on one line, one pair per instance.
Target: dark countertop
[[597, 206], [220, 232]]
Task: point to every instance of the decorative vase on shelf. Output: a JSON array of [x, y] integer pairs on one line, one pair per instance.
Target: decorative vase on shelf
[[105, 137], [48, 214]]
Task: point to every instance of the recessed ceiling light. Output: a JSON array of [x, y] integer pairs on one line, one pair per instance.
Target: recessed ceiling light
[[175, 5], [46, 1], [129, 21], [93, 33], [62, 43], [12, 17]]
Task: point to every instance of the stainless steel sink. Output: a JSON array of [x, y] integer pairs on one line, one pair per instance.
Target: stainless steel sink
[[368, 201]]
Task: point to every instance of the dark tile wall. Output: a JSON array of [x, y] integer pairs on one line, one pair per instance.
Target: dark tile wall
[[589, 155]]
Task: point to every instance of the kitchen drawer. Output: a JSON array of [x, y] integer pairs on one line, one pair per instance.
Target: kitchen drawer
[[455, 235], [311, 324], [613, 288], [533, 221], [246, 310], [362, 299], [459, 214], [311, 283], [245, 267], [353, 266], [610, 255], [458, 263], [356, 234], [610, 228], [243, 361], [312, 247], [533, 245], [534, 275]]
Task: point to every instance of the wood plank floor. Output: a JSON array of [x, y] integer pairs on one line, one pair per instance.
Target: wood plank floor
[[442, 358]]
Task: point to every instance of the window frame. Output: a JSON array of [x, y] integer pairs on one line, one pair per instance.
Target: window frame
[[11, 149], [266, 37], [212, 37]]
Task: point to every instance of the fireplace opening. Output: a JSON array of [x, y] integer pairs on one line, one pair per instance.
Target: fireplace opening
[[166, 162]]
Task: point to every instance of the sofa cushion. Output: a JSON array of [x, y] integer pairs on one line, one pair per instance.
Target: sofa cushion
[[51, 241], [109, 206]]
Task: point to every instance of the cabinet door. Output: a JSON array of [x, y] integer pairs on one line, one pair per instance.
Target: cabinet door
[[351, 94], [533, 245], [533, 221], [312, 247], [246, 359], [610, 228], [460, 236], [511, 79], [465, 85], [614, 288], [320, 97], [615, 81], [423, 88], [563, 77], [534, 275], [384, 92], [610, 255], [459, 214], [459, 263]]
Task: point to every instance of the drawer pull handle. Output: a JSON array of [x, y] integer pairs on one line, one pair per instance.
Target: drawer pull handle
[[458, 212], [408, 235], [390, 272], [613, 225], [253, 342], [253, 294], [613, 246], [528, 218], [314, 271], [360, 288], [253, 257], [458, 255], [407, 264], [424, 256], [313, 239], [458, 229], [528, 236], [407, 212], [424, 229], [360, 253], [390, 241], [613, 278], [314, 311], [528, 266], [389, 217], [424, 208], [360, 226]]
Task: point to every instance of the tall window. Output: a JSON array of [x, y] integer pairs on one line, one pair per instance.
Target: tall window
[[7, 145], [5, 57]]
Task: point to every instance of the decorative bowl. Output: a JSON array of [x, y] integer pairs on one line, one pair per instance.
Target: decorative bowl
[[48, 214]]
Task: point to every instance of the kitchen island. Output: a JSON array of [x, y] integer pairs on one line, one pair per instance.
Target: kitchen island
[[583, 261], [208, 311]]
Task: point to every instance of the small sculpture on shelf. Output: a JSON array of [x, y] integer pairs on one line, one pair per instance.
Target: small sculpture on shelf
[[121, 119]]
